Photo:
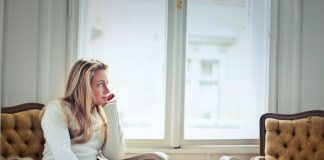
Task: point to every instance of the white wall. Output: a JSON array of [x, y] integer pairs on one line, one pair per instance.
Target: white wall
[[34, 56], [300, 56], [34, 53], [54, 54], [288, 56], [313, 55], [20, 37]]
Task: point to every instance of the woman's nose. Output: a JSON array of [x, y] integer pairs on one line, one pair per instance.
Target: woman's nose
[[106, 90]]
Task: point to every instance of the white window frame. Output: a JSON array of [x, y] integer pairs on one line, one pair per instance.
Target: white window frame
[[174, 118]]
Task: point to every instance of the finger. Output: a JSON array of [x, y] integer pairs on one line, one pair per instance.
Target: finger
[[111, 96]]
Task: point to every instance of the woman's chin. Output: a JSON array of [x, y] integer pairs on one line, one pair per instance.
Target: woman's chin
[[104, 103]]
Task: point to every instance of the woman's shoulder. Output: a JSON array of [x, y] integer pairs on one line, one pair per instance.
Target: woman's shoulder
[[57, 106], [54, 104]]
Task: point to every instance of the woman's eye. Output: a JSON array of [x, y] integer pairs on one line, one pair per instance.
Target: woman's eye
[[102, 84]]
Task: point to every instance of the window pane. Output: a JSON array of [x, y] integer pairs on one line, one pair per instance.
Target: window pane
[[226, 69], [130, 36]]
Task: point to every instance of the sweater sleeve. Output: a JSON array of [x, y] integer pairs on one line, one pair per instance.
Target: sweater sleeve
[[56, 132], [115, 146]]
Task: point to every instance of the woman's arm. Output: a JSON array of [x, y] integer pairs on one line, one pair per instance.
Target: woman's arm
[[115, 146], [56, 132]]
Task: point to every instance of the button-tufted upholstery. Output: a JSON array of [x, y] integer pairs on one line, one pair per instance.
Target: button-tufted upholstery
[[21, 133], [292, 137]]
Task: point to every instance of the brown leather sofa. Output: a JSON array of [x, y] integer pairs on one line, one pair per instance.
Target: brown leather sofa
[[22, 135], [292, 136]]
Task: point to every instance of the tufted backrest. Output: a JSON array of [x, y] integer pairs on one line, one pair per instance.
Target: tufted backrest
[[21, 132], [292, 137]]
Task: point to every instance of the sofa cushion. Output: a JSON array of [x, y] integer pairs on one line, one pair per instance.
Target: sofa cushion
[[21, 134]]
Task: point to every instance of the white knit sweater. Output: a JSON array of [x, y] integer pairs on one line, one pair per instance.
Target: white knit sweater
[[58, 143]]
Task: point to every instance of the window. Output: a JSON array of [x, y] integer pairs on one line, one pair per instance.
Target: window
[[195, 73], [130, 37]]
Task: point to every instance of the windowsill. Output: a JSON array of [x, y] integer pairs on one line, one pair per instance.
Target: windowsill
[[237, 149]]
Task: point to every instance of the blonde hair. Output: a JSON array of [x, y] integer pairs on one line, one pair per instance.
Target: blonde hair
[[79, 96]]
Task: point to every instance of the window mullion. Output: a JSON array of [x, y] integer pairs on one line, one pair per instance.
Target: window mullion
[[175, 72]]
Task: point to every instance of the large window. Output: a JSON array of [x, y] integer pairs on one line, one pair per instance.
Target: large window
[[131, 37], [184, 71]]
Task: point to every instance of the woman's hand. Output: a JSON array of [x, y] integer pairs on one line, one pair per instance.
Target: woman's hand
[[111, 98]]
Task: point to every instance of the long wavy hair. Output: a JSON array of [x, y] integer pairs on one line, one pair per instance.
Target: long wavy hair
[[79, 96]]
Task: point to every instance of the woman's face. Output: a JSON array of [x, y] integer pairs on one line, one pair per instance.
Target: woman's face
[[100, 88]]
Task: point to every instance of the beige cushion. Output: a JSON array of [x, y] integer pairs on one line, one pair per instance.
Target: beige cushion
[[21, 135], [301, 139]]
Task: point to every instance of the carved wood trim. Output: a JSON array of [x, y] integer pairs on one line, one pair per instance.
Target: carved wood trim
[[300, 115], [21, 107]]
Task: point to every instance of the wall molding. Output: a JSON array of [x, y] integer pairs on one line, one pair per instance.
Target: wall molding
[[44, 49], [289, 56], [78, 33], [1, 45], [273, 56], [297, 50], [72, 21]]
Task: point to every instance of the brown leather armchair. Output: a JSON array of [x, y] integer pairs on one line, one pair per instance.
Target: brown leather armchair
[[292, 136], [22, 135]]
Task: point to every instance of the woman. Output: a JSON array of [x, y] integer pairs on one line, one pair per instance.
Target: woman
[[84, 124]]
